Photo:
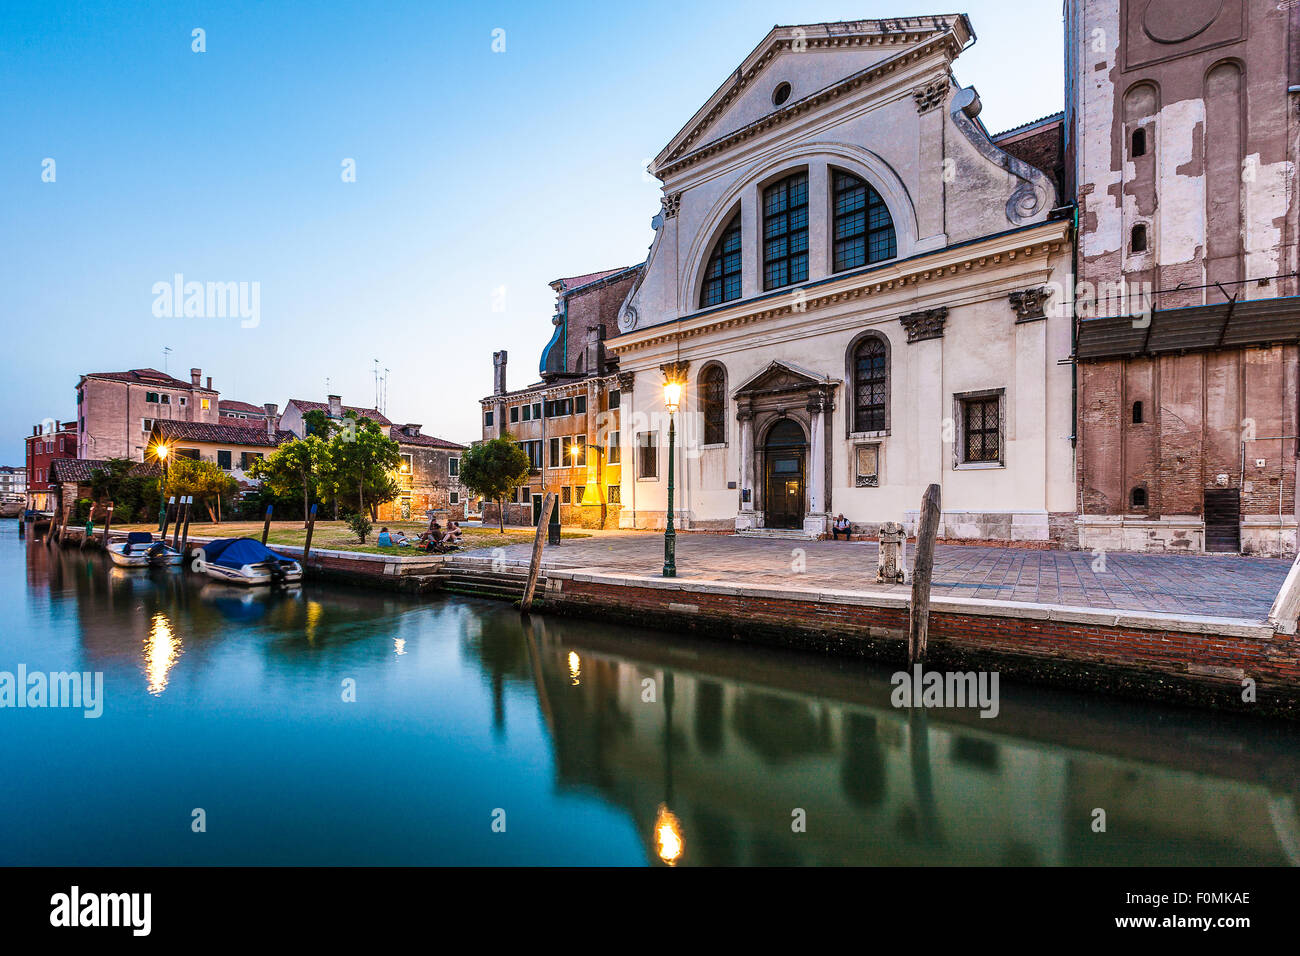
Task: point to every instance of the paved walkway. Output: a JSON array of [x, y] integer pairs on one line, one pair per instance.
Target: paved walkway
[[1204, 585]]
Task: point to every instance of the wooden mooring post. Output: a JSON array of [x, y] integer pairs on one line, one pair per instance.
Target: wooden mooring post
[[306, 546], [167, 517], [918, 625], [185, 532], [266, 525], [108, 524], [54, 523], [535, 566]]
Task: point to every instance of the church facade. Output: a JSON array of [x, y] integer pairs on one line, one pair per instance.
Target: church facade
[[862, 292]]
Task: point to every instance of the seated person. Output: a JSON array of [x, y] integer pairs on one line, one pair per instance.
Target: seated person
[[453, 534], [841, 527], [385, 539]]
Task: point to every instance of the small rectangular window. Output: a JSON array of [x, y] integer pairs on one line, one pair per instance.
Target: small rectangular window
[[453, 466], [514, 414], [151, 397], [982, 430], [528, 412], [487, 419], [647, 455], [223, 459], [455, 497], [206, 404], [165, 399], [615, 495], [578, 492], [614, 455], [579, 451], [580, 405], [146, 424], [556, 459], [615, 397], [564, 495]]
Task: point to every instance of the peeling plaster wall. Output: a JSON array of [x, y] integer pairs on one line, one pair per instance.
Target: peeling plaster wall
[[1207, 81]]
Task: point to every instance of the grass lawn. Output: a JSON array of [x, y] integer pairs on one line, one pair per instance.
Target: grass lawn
[[335, 535]]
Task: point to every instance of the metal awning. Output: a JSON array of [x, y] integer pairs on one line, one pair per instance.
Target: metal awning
[[1199, 328]]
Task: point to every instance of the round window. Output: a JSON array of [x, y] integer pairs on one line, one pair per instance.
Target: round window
[[781, 94]]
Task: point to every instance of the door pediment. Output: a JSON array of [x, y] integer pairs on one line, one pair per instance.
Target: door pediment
[[779, 377]]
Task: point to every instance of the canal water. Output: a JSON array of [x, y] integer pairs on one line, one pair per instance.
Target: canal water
[[342, 726]]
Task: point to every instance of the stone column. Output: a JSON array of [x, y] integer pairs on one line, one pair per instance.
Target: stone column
[[745, 518], [814, 521]]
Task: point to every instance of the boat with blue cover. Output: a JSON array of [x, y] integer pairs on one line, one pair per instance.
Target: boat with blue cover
[[140, 550], [247, 561]]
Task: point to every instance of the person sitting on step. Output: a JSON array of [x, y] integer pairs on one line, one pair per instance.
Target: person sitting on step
[[841, 527]]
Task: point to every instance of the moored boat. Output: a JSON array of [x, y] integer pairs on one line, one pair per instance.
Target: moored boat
[[247, 561], [140, 550]]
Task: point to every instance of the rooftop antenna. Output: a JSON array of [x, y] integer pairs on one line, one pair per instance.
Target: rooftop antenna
[[376, 373], [384, 410], [167, 350]]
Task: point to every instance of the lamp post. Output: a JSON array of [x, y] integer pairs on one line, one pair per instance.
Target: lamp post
[[161, 452], [672, 399]]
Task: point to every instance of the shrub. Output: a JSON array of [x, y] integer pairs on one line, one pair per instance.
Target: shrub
[[81, 514], [359, 524]]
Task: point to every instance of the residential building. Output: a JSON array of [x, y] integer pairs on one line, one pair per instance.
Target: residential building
[[240, 413], [852, 279], [568, 422], [117, 410], [232, 447], [1182, 138], [13, 481], [49, 441], [293, 419], [71, 479]]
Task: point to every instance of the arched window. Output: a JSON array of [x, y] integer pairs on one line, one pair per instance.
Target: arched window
[[1139, 142], [864, 231], [870, 385], [713, 404], [1138, 498], [785, 231], [722, 277], [1137, 413]]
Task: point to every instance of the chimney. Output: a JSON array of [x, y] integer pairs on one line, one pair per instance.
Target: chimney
[[499, 372], [195, 373], [595, 350], [209, 383], [271, 422], [336, 406]]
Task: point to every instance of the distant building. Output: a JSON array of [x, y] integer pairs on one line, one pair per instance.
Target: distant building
[[116, 410], [429, 476], [48, 442], [568, 423], [237, 413], [13, 480], [232, 447]]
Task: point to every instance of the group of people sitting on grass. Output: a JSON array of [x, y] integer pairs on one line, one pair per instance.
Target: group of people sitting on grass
[[434, 539]]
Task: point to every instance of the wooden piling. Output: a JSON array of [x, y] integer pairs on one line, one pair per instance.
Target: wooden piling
[[266, 525], [918, 626], [182, 509], [539, 539], [167, 518], [185, 534], [306, 546], [108, 524], [54, 523]]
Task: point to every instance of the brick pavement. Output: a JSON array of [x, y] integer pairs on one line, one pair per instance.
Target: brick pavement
[[1202, 585]]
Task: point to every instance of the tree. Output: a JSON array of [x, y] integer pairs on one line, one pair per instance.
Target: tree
[[492, 469], [297, 466], [363, 461], [205, 480]]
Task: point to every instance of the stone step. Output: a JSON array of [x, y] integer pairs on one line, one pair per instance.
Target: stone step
[[779, 534]]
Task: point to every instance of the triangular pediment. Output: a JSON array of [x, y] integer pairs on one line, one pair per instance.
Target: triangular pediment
[[782, 377], [812, 58]]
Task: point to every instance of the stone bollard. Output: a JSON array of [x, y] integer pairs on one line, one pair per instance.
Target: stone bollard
[[891, 562]]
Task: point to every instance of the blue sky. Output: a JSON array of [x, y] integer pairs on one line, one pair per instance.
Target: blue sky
[[475, 171]]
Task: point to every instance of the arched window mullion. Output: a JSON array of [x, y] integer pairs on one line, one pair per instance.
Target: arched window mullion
[[862, 229], [869, 364], [713, 404]]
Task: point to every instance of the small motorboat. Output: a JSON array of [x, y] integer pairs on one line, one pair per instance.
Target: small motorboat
[[247, 561], [140, 550]]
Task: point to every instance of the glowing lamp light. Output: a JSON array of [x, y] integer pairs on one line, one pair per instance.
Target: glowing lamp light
[[668, 836], [672, 396], [161, 452]]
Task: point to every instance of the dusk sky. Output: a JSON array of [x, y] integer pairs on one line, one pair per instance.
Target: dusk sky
[[476, 171]]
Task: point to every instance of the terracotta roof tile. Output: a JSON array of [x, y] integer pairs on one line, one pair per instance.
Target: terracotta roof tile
[[254, 435], [82, 469], [371, 413], [148, 376]]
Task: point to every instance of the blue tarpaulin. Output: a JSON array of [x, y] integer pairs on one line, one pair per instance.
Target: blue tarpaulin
[[237, 552]]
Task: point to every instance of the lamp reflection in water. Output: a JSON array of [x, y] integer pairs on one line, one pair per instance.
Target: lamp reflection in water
[[162, 648], [399, 645], [668, 836], [575, 668]]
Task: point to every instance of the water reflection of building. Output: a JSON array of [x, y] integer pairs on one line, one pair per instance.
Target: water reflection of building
[[734, 759]]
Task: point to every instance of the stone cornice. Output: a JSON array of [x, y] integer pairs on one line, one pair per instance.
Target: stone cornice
[[945, 43], [930, 267], [577, 386]]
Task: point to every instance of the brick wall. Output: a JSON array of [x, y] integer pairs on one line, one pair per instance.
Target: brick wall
[[1173, 660]]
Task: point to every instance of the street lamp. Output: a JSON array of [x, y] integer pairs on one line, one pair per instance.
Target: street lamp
[[161, 451], [672, 400]]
